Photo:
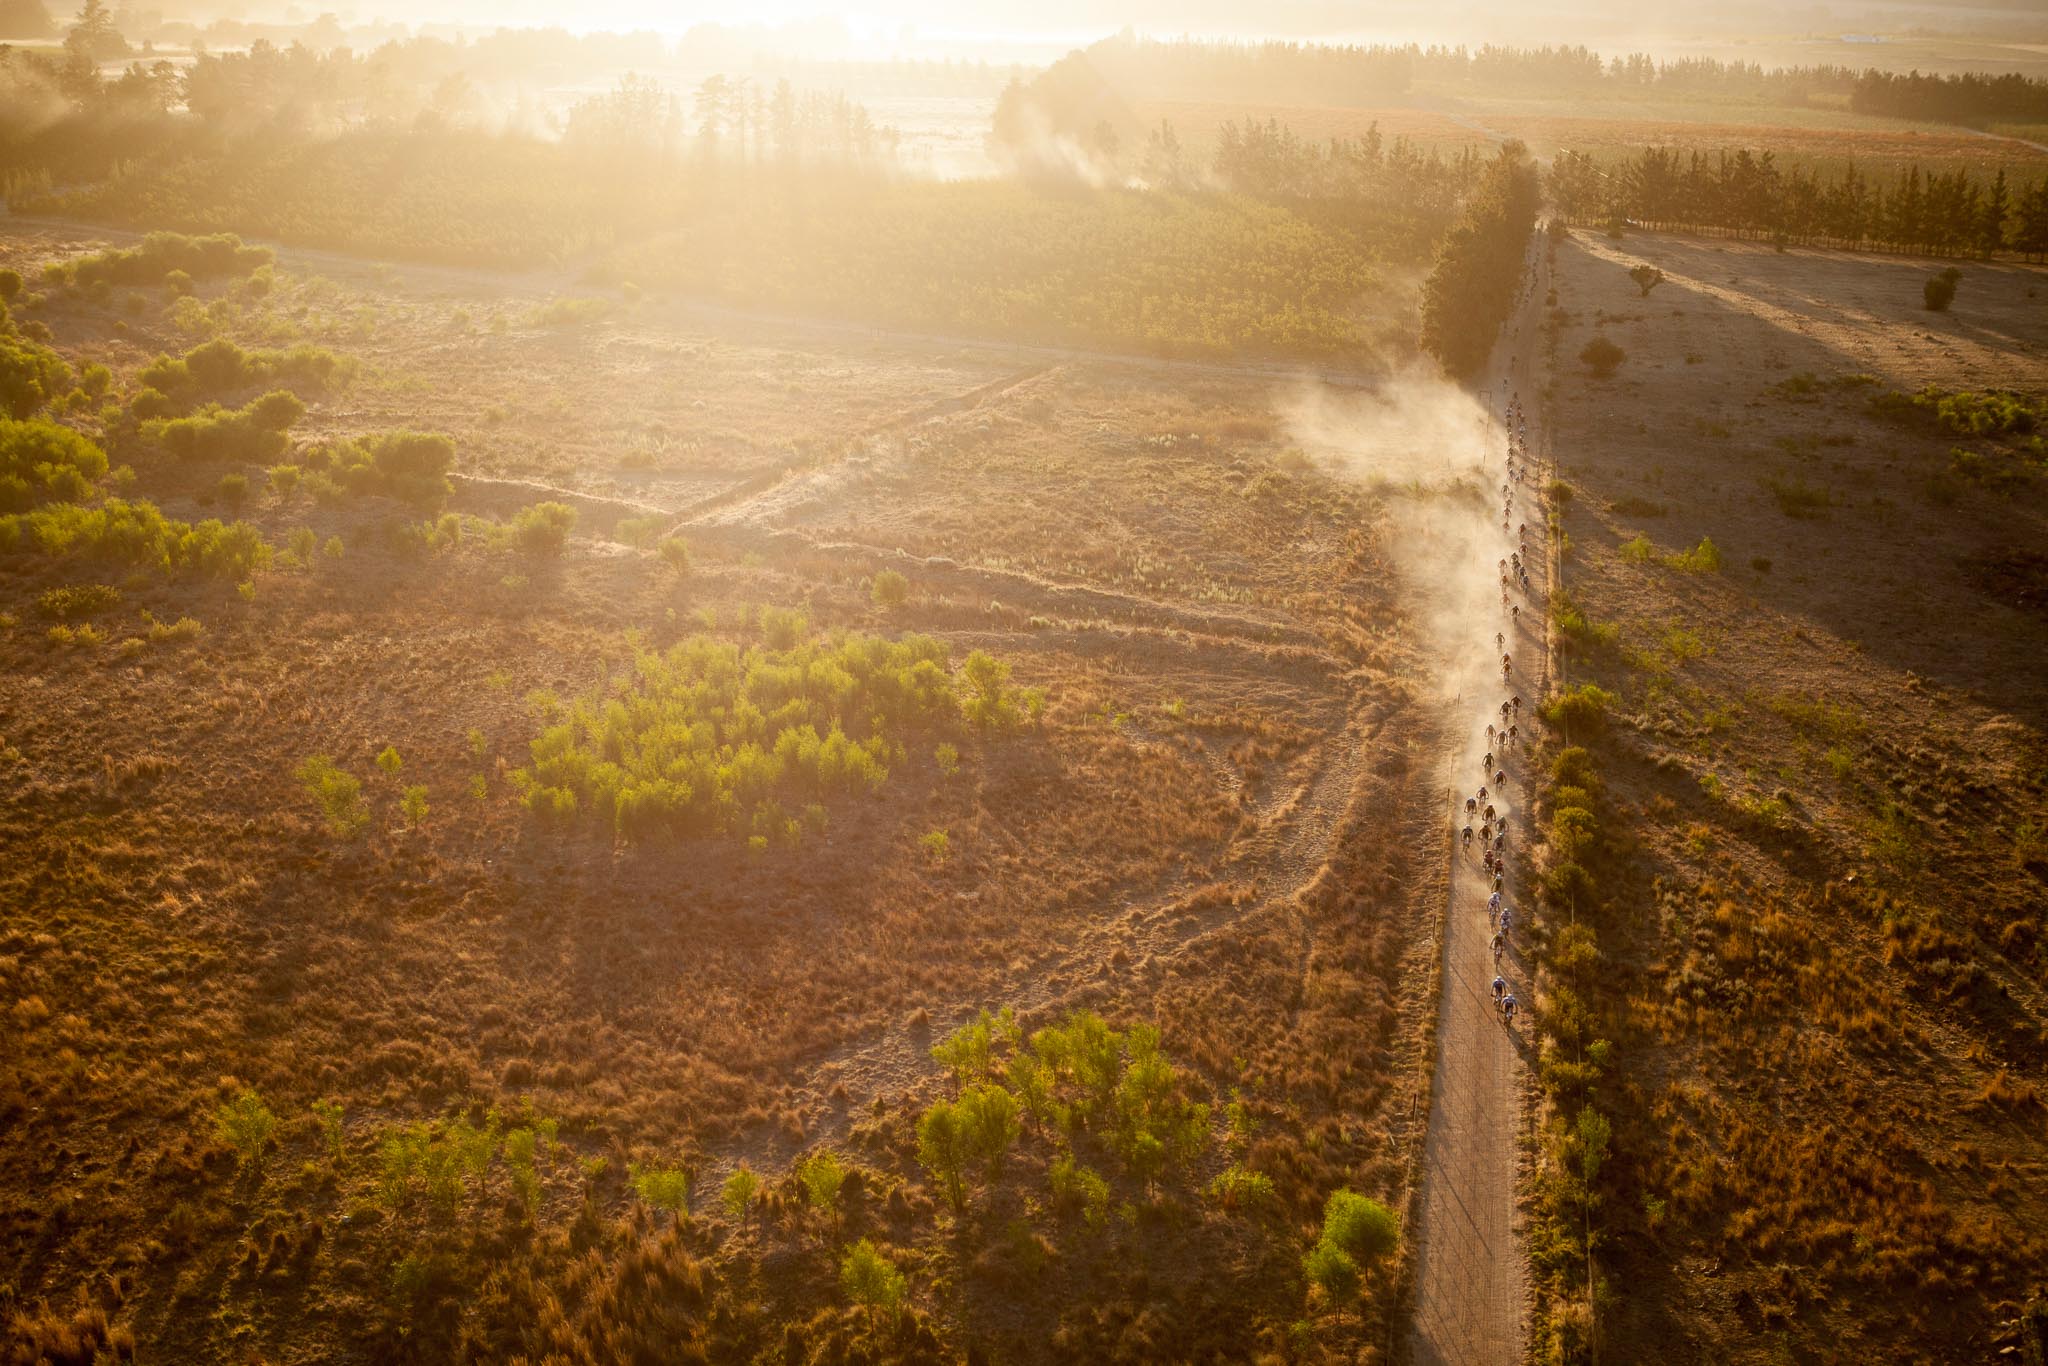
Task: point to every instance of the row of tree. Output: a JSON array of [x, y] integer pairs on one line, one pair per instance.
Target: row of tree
[[1478, 268], [1749, 194]]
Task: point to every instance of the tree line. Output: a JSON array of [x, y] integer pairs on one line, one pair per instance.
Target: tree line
[[1749, 194], [1478, 267]]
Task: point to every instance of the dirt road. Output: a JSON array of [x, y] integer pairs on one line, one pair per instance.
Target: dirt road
[[1470, 1297]]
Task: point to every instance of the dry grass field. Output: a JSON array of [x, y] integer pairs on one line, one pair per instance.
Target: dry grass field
[[1217, 825], [1824, 769]]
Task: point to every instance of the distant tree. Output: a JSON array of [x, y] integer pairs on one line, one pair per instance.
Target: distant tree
[[1647, 278], [25, 19], [1940, 290], [10, 286], [665, 1188], [1601, 357], [94, 36], [675, 553], [1991, 217]]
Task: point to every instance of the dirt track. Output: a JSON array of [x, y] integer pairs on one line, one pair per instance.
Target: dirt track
[[1470, 1297]]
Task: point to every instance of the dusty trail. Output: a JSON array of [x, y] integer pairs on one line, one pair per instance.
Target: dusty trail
[[1470, 1289]]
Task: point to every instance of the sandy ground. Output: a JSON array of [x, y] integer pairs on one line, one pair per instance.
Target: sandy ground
[[1470, 1296]]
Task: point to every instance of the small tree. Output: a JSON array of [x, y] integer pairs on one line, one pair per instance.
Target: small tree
[[738, 1192], [414, 805], [943, 1146], [389, 761], [1647, 278], [1940, 291], [339, 794], [328, 1112], [10, 285], [1601, 357], [821, 1175], [991, 1115], [675, 553], [871, 1280], [245, 1124], [665, 1188]]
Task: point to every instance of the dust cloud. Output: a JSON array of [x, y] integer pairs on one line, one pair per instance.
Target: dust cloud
[[1435, 453]]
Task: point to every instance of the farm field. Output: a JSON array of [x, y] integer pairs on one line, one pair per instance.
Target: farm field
[[1822, 763], [1185, 795]]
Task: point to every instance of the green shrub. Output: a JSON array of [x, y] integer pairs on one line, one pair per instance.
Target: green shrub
[[10, 286], [413, 805], [252, 434], [890, 589], [412, 467], [1238, 1187], [1940, 290], [338, 793], [713, 738], [1704, 558], [245, 1124], [1363, 1227], [1074, 1185], [44, 461], [76, 600], [662, 1188], [544, 528], [1796, 498], [31, 375], [328, 1113], [739, 1190], [1581, 708], [388, 759], [233, 491], [1330, 1269], [638, 532], [675, 553], [821, 1175], [990, 1114], [171, 386], [162, 254], [870, 1280], [138, 535]]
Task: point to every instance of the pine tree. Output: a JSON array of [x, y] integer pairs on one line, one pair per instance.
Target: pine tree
[[1992, 215]]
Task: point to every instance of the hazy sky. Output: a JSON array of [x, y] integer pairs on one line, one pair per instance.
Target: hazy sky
[[881, 27]]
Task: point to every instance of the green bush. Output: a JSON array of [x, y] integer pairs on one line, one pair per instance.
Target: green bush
[[738, 1192], [821, 1175], [675, 553], [252, 434], [544, 528], [245, 1124], [233, 491], [43, 461], [137, 535], [410, 466], [339, 795], [713, 738], [890, 589], [1581, 708], [76, 600], [31, 375], [663, 1188], [163, 253], [171, 386], [1704, 558], [10, 286]]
